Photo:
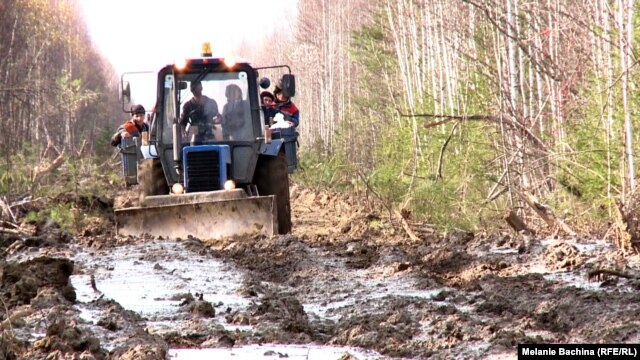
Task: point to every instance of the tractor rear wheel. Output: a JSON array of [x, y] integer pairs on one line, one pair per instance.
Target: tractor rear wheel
[[272, 178], [151, 180]]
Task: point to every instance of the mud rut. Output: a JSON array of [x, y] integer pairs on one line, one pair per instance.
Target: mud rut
[[344, 277]]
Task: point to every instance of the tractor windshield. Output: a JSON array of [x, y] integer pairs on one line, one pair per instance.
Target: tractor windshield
[[213, 107]]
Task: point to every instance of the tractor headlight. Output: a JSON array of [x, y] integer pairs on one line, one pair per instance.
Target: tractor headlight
[[229, 185], [180, 64], [177, 188], [230, 61]]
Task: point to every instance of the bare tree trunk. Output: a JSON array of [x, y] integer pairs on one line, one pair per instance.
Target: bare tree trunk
[[610, 69], [626, 38], [512, 55]]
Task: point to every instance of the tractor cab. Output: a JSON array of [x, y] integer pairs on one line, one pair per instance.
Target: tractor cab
[[213, 102]]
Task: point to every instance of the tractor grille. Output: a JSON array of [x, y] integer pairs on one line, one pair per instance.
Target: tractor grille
[[203, 171]]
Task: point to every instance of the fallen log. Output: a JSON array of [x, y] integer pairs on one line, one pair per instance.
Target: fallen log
[[405, 226], [43, 169], [545, 213], [9, 231], [5, 211]]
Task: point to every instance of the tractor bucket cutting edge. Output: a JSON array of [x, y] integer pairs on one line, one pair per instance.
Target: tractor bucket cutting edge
[[200, 216]]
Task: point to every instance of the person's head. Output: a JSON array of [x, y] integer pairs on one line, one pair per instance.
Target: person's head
[[233, 92], [137, 113], [279, 95], [267, 98], [196, 88]]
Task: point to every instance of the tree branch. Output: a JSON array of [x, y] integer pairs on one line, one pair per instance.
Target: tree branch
[[444, 147]]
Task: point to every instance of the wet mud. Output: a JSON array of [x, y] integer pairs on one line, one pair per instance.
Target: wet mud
[[345, 277]]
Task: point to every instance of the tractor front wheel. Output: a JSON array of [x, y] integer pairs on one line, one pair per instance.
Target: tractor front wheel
[[272, 178]]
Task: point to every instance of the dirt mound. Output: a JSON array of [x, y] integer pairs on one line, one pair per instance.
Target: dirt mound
[[142, 347], [140, 351], [286, 310], [65, 336], [330, 215], [197, 305], [20, 282], [126, 199], [270, 259], [562, 255]]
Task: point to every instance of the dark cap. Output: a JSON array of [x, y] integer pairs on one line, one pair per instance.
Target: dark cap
[[137, 109], [268, 94]]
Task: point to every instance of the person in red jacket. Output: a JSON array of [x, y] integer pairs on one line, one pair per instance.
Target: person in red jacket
[[133, 127], [285, 106]]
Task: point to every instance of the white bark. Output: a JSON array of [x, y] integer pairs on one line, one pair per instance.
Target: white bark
[[624, 41], [512, 55]]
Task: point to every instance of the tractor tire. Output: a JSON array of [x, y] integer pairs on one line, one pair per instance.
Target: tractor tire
[[151, 180], [272, 178]]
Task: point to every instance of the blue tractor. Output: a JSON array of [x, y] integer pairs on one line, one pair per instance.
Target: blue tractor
[[210, 166]]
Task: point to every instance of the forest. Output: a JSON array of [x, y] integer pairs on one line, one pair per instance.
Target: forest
[[466, 113], [460, 113]]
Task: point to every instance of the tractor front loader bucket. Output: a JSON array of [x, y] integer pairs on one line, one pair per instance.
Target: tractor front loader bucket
[[212, 215]]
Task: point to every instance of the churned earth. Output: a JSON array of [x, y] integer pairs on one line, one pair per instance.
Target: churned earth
[[348, 283]]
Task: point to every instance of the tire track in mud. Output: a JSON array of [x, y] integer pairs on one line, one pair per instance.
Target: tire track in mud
[[344, 277], [480, 295]]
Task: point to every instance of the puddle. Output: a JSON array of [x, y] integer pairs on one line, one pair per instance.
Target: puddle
[[148, 279], [359, 286], [89, 315], [272, 352], [504, 251], [574, 279], [588, 247], [145, 277], [569, 278]]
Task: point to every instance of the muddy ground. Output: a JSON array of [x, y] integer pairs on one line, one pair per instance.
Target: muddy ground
[[345, 277]]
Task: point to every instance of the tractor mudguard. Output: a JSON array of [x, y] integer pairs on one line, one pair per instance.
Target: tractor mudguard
[[273, 148]]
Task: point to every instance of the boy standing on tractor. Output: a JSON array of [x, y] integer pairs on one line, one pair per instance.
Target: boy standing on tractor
[[133, 127]]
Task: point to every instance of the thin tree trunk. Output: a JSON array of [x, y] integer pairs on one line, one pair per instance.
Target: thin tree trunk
[[626, 30]]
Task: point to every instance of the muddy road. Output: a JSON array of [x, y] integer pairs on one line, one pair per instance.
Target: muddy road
[[345, 285]]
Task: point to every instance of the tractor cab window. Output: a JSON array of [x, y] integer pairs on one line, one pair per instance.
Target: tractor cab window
[[213, 107], [168, 108]]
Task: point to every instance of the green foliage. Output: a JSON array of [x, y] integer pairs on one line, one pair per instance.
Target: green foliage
[[65, 216], [593, 162], [77, 179], [449, 202], [369, 50], [16, 171], [397, 157], [321, 172], [103, 141], [32, 217]]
